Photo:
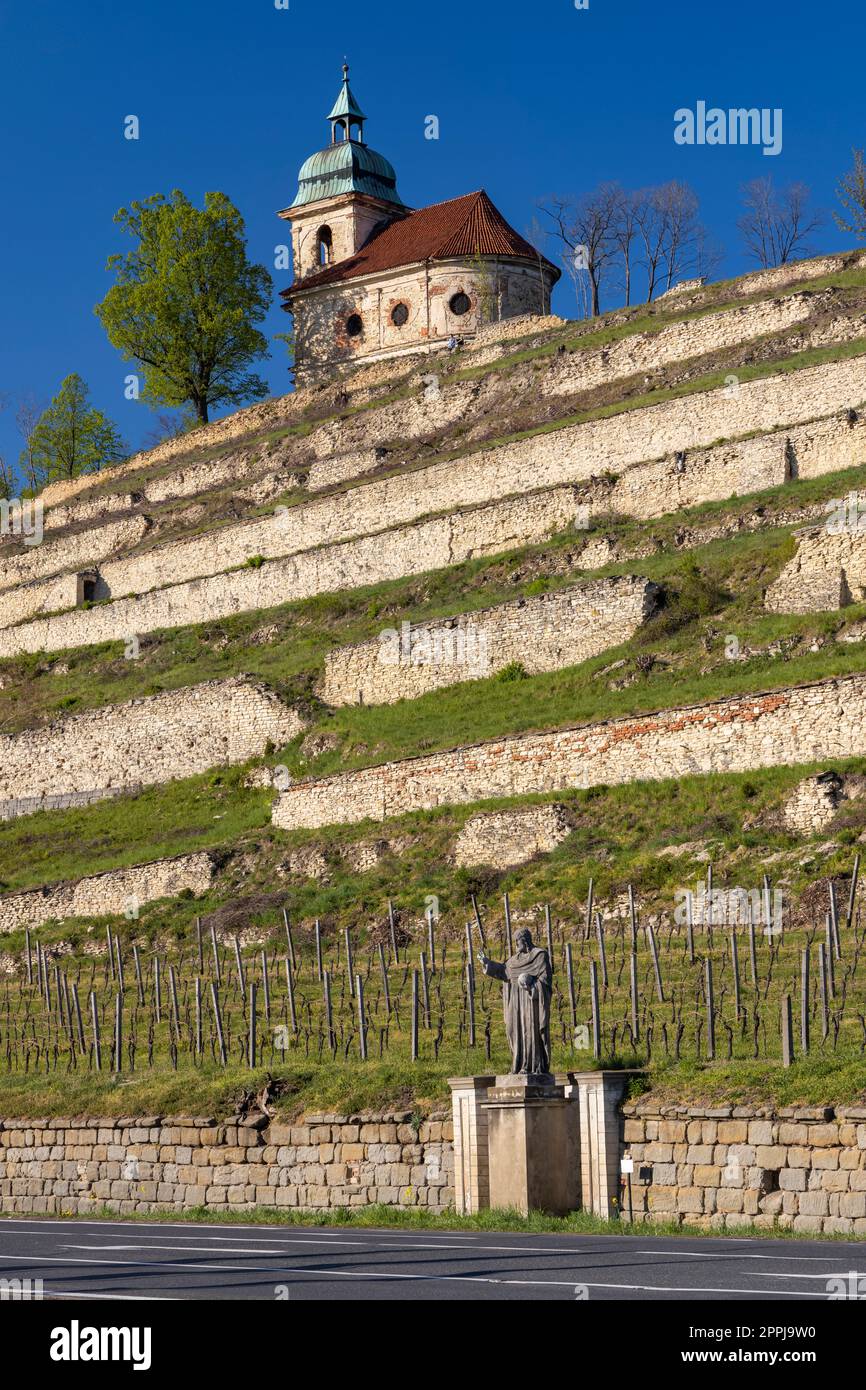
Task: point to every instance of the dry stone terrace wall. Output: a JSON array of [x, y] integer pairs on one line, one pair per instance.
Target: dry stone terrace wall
[[145, 1163], [429, 545], [143, 742], [572, 454], [579, 371], [109, 893], [506, 838], [827, 572], [83, 548], [800, 724], [284, 410], [724, 1167], [543, 634]]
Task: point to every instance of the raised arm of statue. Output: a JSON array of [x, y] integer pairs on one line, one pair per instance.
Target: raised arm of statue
[[492, 967]]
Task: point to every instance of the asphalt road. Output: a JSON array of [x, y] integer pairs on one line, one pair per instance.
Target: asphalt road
[[111, 1260]]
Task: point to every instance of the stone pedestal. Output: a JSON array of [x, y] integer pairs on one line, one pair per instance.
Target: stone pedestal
[[471, 1164], [599, 1102], [533, 1145]]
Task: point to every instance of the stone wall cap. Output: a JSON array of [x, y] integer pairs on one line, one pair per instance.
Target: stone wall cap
[[807, 1112], [851, 1112], [464, 1083], [189, 1121]]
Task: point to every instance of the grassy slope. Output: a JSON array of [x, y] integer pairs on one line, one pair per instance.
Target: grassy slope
[[618, 831]]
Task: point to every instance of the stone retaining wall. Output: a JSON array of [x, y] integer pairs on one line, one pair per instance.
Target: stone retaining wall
[[543, 633], [504, 839], [428, 545], [148, 1163], [797, 724], [406, 420], [569, 455], [827, 572], [108, 894], [143, 742], [79, 550], [724, 1167]]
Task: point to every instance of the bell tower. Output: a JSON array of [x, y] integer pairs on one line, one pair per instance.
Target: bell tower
[[345, 192]]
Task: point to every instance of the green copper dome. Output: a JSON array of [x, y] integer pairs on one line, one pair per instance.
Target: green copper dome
[[347, 165]]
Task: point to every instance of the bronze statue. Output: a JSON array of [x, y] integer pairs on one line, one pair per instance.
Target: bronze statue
[[527, 979]]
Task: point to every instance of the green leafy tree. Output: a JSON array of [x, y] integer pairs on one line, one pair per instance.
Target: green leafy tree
[[186, 302], [71, 437]]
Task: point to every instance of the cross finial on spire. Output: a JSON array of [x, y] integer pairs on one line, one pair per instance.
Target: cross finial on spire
[[345, 69]]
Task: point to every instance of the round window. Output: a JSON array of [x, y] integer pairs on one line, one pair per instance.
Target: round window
[[354, 325], [399, 315], [460, 304]]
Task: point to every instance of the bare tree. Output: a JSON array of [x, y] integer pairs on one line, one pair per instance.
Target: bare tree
[[851, 191], [683, 230], [651, 233], [28, 412], [536, 235], [776, 226], [583, 227], [673, 240], [624, 231], [169, 427]]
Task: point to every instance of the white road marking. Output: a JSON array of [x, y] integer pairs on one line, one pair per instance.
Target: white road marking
[[743, 1255], [388, 1274]]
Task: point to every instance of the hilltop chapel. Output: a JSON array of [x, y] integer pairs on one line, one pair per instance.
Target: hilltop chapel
[[376, 279]]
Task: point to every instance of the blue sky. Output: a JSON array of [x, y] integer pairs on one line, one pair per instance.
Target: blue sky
[[232, 95]]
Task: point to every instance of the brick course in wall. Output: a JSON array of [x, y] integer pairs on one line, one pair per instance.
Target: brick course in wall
[[797, 724], [143, 742], [724, 1167], [543, 633], [149, 1163]]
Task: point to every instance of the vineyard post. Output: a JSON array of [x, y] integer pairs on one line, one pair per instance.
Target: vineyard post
[[825, 998], [787, 1032], [94, 1016], [711, 1017], [362, 1021], [804, 1000], [596, 1023], [214, 994], [414, 1015], [251, 1049]]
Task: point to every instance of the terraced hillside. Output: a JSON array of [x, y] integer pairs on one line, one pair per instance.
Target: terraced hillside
[[536, 619]]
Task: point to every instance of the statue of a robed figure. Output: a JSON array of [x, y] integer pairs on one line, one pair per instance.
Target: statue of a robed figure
[[527, 981]]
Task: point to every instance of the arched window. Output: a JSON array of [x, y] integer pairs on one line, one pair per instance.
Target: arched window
[[460, 304], [325, 246]]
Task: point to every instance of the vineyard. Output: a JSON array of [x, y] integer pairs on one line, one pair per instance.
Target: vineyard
[[726, 978]]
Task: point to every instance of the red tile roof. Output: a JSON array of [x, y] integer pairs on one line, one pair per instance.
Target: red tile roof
[[465, 226]]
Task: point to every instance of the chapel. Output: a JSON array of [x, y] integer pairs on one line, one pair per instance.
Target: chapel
[[374, 278]]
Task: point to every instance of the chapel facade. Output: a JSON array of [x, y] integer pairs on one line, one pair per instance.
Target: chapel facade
[[374, 278]]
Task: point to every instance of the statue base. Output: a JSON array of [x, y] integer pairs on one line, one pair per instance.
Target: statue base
[[533, 1145]]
